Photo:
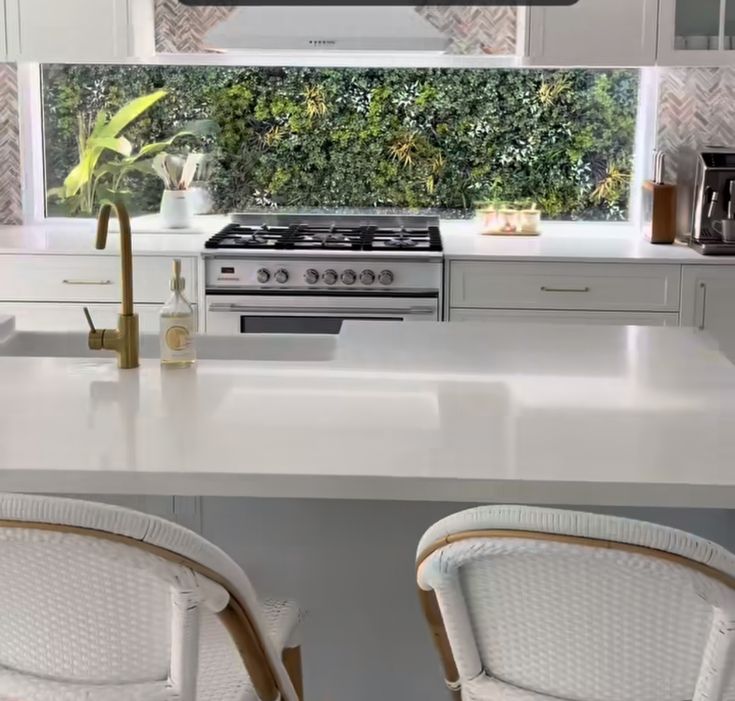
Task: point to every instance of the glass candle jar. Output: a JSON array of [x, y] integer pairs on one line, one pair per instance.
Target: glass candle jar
[[487, 218], [530, 221], [508, 221]]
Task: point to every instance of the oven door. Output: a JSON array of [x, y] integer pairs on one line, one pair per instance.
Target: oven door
[[243, 314]]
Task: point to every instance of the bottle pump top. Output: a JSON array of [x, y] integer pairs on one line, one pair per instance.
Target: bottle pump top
[[178, 283]]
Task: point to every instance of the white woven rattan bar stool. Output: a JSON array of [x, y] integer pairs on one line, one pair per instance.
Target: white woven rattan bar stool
[[532, 604], [101, 603]]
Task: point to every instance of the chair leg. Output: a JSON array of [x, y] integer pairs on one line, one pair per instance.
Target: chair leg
[[291, 657]]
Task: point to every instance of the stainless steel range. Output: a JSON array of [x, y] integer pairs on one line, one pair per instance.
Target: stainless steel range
[[277, 273]]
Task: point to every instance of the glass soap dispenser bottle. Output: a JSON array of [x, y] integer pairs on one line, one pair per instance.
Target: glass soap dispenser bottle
[[177, 325]]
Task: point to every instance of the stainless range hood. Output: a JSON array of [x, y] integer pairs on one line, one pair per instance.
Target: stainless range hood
[[320, 28]]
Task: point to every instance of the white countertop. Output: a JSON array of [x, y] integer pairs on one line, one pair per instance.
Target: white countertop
[[464, 412], [77, 238], [565, 241], [559, 241]]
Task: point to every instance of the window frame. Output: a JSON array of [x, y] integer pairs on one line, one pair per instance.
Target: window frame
[[31, 133]]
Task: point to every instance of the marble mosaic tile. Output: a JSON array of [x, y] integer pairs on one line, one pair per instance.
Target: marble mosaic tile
[[11, 206], [696, 108]]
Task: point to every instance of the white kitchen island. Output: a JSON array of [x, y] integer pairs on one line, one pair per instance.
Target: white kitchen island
[[446, 412], [320, 476]]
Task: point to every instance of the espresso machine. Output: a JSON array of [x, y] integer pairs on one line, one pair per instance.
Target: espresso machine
[[709, 200]]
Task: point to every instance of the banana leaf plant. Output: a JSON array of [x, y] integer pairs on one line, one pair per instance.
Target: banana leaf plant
[[106, 157]]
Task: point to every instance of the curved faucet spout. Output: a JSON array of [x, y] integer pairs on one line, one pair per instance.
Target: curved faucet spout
[[126, 248], [124, 339]]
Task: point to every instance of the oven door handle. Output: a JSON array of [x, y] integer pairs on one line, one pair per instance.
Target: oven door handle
[[322, 311]]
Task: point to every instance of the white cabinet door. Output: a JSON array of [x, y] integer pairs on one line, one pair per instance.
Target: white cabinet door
[[79, 30], [708, 303], [42, 316], [593, 33], [562, 317]]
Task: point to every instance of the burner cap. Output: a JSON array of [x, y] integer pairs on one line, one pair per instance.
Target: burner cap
[[252, 238], [401, 242], [328, 237]]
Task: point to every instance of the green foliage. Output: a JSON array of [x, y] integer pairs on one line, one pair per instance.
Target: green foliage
[[92, 176], [405, 138]]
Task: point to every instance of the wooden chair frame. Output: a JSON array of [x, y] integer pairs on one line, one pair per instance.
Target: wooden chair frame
[[430, 605], [235, 616]]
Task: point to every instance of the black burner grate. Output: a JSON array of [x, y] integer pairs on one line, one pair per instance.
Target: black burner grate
[[331, 238]]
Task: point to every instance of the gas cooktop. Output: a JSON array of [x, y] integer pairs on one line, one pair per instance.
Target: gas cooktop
[[386, 234]]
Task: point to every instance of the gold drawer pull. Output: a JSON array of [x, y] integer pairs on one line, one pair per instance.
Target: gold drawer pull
[[564, 289], [87, 282]]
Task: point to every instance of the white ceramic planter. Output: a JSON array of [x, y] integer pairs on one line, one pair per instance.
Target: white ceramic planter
[[176, 209]]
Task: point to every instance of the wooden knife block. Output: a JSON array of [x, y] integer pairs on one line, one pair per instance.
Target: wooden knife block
[[659, 212]]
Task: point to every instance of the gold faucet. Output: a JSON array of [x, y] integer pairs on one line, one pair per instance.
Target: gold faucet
[[124, 339]]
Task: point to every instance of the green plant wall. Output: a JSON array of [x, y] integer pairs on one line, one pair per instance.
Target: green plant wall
[[394, 138]]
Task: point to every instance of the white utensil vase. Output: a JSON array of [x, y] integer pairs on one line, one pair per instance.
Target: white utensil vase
[[176, 209]]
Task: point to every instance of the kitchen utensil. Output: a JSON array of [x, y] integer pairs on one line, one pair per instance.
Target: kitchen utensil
[[159, 167], [175, 168], [189, 170], [659, 163]]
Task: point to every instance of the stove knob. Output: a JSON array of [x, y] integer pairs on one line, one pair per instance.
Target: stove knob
[[349, 277], [385, 277], [281, 276], [330, 277], [367, 277], [263, 275], [311, 276]]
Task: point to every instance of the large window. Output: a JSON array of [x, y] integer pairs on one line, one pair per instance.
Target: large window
[[394, 138]]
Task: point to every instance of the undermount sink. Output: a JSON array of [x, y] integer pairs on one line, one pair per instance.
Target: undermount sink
[[271, 347]]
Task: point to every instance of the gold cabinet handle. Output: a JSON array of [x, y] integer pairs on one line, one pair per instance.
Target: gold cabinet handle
[[564, 289], [87, 282]]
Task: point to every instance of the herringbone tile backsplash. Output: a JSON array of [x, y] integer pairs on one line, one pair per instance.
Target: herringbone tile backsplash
[[696, 109], [181, 29], [11, 208]]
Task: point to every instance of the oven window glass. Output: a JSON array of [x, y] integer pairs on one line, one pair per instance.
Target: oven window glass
[[301, 324]]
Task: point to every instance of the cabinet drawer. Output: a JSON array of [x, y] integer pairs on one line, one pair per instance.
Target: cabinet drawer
[[566, 317], [42, 316], [573, 286], [47, 278]]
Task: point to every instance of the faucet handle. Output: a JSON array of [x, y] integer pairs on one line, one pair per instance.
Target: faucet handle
[[89, 319], [95, 337]]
